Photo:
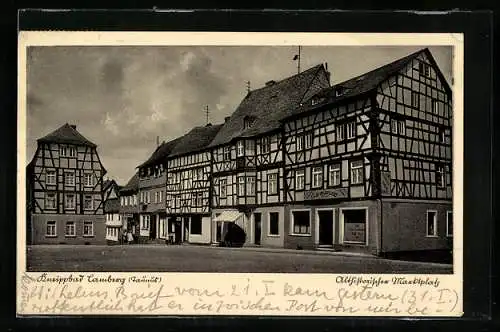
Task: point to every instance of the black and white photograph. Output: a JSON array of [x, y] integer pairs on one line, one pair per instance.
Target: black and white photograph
[[240, 159]]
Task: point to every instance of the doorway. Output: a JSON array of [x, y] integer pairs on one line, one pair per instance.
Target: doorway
[[152, 225], [326, 220], [257, 218], [177, 232]]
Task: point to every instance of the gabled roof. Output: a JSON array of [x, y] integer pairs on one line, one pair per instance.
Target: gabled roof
[[160, 153], [267, 106], [369, 81], [66, 134], [195, 140], [112, 205], [132, 184]]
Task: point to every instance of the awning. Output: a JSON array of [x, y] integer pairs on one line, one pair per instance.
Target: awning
[[228, 216]]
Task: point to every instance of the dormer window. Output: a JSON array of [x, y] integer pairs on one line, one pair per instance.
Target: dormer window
[[339, 91], [248, 122]]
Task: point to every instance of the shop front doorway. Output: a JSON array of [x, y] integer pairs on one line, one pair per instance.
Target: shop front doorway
[[326, 227]]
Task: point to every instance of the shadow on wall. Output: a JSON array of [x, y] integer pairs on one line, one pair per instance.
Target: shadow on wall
[[234, 237]]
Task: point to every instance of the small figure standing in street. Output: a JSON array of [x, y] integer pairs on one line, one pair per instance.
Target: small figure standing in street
[[130, 237]]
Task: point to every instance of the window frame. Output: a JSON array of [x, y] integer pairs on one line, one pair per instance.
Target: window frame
[[334, 170], [269, 224], [435, 223], [252, 185], [226, 153], [66, 177], [191, 225], [72, 151], [415, 99], [68, 223], [53, 225], [303, 176], [85, 207], [448, 213], [222, 186], [63, 151], [66, 201], [275, 181], [265, 145], [51, 174], [86, 223], [308, 140], [54, 207], [321, 179], [292, 223], [88, 176], [357, 168], [440, 169], [241, 184], [240, 148], [299, 142]]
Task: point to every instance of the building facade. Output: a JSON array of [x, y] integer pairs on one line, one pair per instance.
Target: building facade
[[152, 193], [368, 162], [188, 188], [248, 200], [129, 206], [115, 226], [65, 197]]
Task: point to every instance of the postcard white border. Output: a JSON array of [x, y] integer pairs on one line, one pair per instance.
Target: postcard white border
[[61, 38]]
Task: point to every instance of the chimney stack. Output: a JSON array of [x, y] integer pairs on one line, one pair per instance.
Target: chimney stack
[[157, 141], [73, 126], [226, 119], [328, 74], [269, 83]]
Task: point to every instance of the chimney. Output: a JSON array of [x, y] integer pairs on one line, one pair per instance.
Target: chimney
[[73, 126], [271, 82], [208, 125], [327, 73], [157, 141], [226, 119]]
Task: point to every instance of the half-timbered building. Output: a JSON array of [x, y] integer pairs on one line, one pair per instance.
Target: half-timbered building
[[129, 206], [65, 196], [247, 161], [188, 188], [152, 187], [368, 162], [114, 223]]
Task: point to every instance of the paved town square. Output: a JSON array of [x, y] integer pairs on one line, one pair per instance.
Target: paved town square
[[186, 258]]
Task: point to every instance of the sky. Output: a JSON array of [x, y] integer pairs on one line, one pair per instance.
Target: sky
[[123, 97]]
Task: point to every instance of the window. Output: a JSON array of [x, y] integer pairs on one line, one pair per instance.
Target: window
[[357, 172], [265, 145], [50, 201], [308, 140], [160, 196], [415, 99], [334, 175], [134, 198], [398, 126], [248, 121], [157, 197], [449, 223], [240, 148], [199, 199], [346, 130], [88, 228], [196, 227], [435, 106], [299, 142], [272, 184], [440, 180], [299, 179], [72, 151], [70, 201], [431, 223], [148, 197], [51, 229], [354, 225], [424, 69], [317, 177], [69, 178], [301, 223], [350, 129], [88, 180], [70, 228], [274, 223], [200, 174], [145, 222], [227, 153], [241, 186], [87, 202], [250, 185], [51, 177], [62, 151], [122, 201], [222, 188], [442, 135]]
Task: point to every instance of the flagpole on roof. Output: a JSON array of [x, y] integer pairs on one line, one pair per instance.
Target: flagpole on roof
[[297, 58]]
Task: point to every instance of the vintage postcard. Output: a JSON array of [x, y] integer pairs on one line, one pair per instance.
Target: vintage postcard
[[283, 174]]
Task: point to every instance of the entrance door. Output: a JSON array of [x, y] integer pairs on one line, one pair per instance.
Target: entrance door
[[152, 225], [257, 218], [186, 229], [219, 232], [178, 231], [325, 227]]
